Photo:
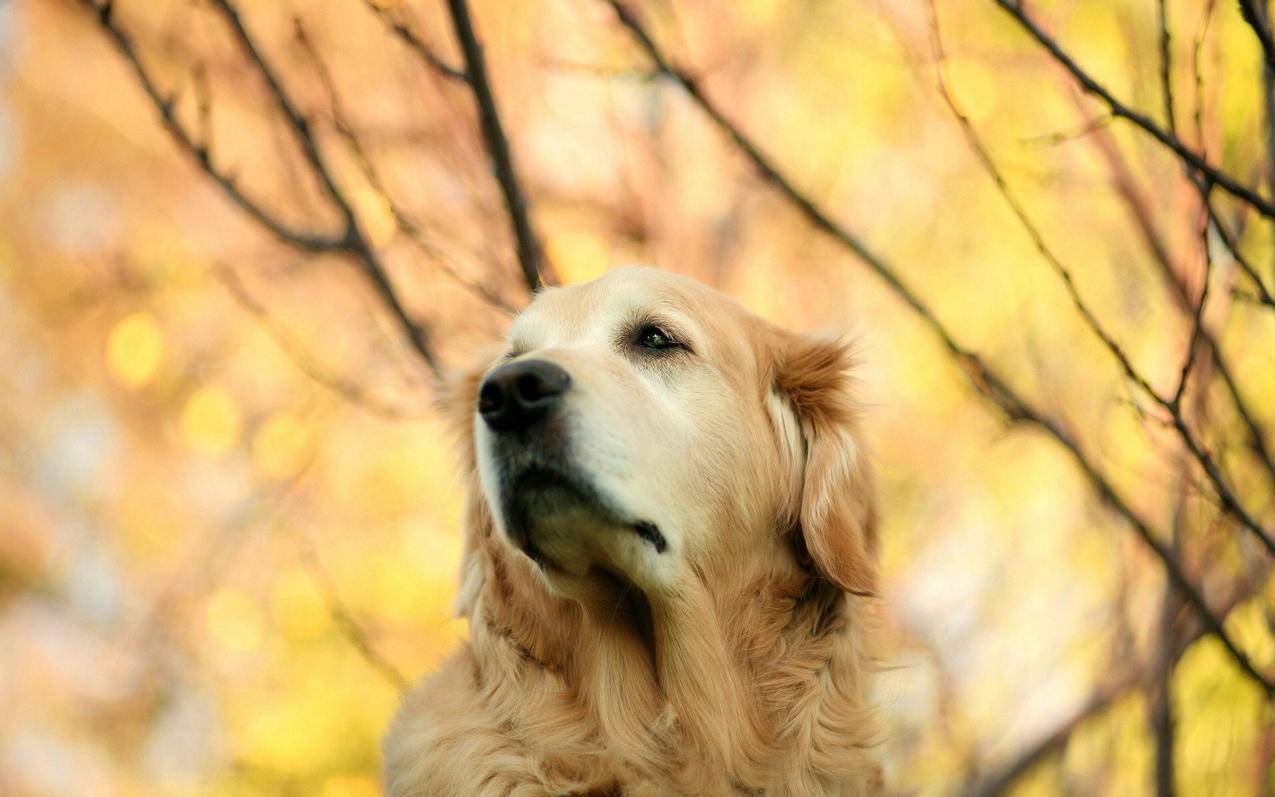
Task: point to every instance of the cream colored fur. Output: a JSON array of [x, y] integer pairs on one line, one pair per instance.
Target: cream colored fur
[[734, 663]]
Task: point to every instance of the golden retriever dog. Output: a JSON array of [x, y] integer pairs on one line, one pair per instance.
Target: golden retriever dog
[[669, 542]]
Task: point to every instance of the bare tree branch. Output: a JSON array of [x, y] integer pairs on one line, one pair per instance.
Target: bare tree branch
[[1230, 501], [987, 382], [404, 225], [529, 250], [1141, 214], [199, 150], [350, 241], [1103, 698], [1254, 14], [346, 622], [1117, 108], [348, 389], [1263, 295], [1166, 66], [416, 44]]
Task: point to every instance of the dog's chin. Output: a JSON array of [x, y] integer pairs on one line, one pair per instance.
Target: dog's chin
[[576, 534]]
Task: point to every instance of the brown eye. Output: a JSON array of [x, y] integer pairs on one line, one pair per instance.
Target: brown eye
[[656, 339]]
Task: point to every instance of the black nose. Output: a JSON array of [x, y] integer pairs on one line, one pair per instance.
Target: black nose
[[515, 396]]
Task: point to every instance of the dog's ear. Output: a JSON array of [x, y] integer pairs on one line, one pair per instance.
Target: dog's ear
[[837, 511]]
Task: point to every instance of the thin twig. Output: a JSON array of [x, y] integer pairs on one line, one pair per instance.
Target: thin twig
[[416, 44], [1103, 698], [409, 228], [351, 241], [1060, 137], [989, 384], [305, 361], [1254, 14], [1117, 108], [1141, 214], [528, 246], [349, 626], [1230, 499], [1166, 66], [199, 150], [1263, 295], [354, 240]]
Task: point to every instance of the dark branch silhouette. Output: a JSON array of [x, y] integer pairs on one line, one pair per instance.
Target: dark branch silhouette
[[1255, 15], [416, 44], [986, 381], [529, 250], [1123, 681], [1230, 501], [405, 225], [350, 241], [1194, 159], [1141, 214]]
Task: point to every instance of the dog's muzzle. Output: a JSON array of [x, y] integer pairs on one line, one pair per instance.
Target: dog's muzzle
[[522, 404]]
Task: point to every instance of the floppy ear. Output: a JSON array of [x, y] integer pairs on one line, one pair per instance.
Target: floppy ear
[[837, 512]]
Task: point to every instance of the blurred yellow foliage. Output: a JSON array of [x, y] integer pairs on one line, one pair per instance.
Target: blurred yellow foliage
[[211, 421], [578, 256], [135, 349], [350, 786], [233, 620], [297, 607], [281, 446], [376, 214]]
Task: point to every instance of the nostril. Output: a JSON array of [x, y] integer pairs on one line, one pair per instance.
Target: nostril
[[528, 388], [490, 398]]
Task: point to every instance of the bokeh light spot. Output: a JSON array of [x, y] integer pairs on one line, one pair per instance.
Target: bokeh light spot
[[234, 621], [281, 446], [211, 421], [578, 256], [297, 607], [135, 349]]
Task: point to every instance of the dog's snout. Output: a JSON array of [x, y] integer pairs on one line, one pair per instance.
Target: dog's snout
[[515, 396]]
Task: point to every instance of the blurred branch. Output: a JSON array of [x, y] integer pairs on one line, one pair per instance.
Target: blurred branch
[[1166, 65], [351, 241], [416, 44], [986, 381], [1254, 14], [345, 621], [305, 241], [1052, 139], [1141, 213], [1104, 697], [529, 250], [1230, 500], [1119, 109], [296, 350], [1232, 246], [409, 228]]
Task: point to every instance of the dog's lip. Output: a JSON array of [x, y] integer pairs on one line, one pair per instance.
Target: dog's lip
[[540, 477], [652, 534]]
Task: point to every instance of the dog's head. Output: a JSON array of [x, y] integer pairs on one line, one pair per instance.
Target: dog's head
[[646, 428]]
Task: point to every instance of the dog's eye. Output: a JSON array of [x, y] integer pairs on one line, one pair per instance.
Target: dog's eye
[[652, 337]]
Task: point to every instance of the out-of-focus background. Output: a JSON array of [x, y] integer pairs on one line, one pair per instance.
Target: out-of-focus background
[[228, 514]]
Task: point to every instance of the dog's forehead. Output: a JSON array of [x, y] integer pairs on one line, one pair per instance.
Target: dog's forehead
[[594, 310]]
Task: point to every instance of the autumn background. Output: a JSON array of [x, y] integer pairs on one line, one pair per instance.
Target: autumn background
[[237, 242]]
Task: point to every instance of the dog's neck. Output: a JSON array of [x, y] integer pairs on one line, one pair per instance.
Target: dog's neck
[[705, 691]]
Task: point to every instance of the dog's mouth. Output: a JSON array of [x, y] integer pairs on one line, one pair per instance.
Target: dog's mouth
[[542, 495]]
